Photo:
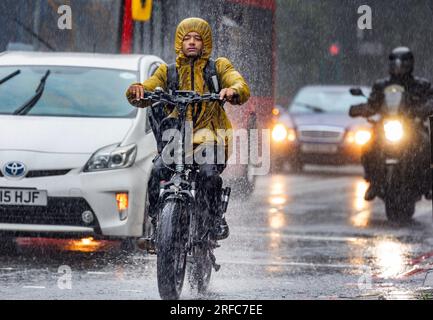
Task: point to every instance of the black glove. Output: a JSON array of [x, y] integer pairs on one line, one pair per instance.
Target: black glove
[[359, 110]]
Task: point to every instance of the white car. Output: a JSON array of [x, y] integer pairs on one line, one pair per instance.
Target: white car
[[77, 162]]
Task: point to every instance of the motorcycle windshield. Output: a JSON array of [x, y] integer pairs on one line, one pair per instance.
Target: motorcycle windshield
[[393, 98]]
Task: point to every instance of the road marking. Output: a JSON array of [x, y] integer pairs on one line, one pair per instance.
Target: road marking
[[300, 237], [322, 238], [34, 287], [134, 291], [98, 273], [293, 264], [311, 186]]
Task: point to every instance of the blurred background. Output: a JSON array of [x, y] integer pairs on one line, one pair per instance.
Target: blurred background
[[279, 45], [242, 31], [308, 33]]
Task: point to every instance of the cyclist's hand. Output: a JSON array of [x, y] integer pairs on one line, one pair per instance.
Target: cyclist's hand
[[136, 91], [228, 94]]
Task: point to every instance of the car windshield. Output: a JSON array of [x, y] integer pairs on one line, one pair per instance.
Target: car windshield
[[69, 91], [326, 100]]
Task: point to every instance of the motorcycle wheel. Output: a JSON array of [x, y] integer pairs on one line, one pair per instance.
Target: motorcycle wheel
[[201, 270], [171, 250], [400, 211]]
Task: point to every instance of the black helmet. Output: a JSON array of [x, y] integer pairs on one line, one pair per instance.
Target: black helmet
[[401, 62]]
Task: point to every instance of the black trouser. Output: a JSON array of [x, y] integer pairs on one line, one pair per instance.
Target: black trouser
[[374, 169], [210, 180]]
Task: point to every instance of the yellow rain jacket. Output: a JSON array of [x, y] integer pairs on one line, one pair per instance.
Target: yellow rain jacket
[[211, 116]]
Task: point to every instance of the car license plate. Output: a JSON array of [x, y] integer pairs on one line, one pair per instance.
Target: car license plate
[[23, 197], [319, 148]]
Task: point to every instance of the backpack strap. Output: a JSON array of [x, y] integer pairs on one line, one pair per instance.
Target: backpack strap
[[211, 77], [209, 72], [172, 78], [158, 114]]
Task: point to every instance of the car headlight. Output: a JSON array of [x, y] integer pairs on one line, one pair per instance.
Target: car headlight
[[362, 137], [291, 134], [359, 137], [393, 130], [279, 132], [112, 157]]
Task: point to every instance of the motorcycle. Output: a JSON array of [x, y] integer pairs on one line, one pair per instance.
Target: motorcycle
[[400, 135], [184, 224]]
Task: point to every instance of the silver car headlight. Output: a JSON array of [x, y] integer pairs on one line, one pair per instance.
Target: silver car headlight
[[112, 157]]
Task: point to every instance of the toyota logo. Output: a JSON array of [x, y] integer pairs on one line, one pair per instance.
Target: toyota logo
[[14, 170]]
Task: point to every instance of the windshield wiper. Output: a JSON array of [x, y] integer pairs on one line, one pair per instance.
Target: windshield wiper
[[26, 107], [8, 77], [310, 107]]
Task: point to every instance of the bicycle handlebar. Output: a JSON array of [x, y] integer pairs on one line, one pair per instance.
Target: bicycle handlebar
[[179, 97]]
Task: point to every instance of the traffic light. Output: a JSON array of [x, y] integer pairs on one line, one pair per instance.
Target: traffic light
[[331, 69], [141, 10], [334, 49]]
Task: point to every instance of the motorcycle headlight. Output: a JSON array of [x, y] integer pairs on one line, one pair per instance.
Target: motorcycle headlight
[[393, 130], [279, 132], [112, 157], [362, 137]]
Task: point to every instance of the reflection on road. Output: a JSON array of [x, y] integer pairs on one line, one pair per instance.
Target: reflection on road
[[277, 219], [85, 245], [361, 209], [390, 257], [277, 200], [278, 191]]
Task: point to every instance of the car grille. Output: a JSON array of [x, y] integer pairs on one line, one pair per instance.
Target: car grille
[[43, 173], [46, 173], [327, 136], [59, 211]]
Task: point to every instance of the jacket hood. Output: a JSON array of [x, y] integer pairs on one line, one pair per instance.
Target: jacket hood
[[197, 25]]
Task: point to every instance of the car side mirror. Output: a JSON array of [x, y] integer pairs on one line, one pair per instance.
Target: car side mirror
[[357, 92]]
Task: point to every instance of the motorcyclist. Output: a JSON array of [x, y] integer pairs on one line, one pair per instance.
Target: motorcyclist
[[418, 103], [193, 45]]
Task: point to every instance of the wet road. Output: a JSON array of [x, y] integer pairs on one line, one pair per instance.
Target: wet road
[[300, 236]]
